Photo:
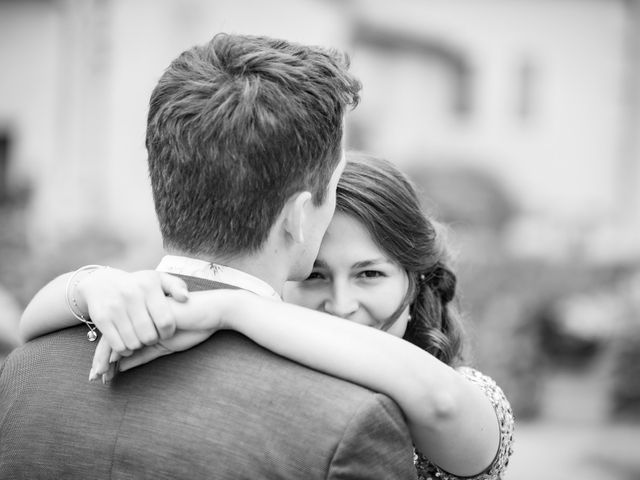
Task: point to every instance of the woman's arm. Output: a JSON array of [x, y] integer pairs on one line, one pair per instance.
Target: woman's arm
[[129, 309], [47, 311], [452, 422]]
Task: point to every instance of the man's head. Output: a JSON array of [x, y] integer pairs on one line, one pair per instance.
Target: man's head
[[235, 128]]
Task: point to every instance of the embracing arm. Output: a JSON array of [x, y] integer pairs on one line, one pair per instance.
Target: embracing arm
[[451, 421], [47, 311], [129, 309]]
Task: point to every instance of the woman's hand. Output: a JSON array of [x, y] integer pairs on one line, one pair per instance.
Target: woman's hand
[[106, 362], [196, 320], [131, 309]]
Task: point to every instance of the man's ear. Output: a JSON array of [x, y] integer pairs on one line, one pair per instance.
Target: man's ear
[[295, 215]]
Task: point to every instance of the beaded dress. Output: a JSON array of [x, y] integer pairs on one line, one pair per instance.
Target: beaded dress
[[429, 471]]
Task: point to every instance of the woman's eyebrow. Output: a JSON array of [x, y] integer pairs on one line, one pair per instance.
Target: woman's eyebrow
[[370, 262], [319, 263]]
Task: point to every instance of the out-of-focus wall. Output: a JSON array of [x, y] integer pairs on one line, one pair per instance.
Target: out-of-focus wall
[[535, 93], [544, 86]]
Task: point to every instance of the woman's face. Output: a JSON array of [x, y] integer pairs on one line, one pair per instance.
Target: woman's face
[[353, 278]]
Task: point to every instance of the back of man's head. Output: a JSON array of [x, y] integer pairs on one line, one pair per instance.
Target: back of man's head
[[237, 126]]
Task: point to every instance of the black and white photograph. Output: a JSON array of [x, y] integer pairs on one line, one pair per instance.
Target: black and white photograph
[[320, 239]]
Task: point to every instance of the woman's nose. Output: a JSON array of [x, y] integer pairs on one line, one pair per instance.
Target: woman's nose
[[341, 303]]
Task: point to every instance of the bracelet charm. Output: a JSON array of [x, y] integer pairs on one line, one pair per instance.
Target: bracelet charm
[[91, 334], [72, 303]]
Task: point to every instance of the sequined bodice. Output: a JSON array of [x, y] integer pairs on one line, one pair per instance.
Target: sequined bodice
[[429, 471]]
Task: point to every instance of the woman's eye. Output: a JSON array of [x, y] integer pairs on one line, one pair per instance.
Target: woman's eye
[[371, 274], [314, 276]]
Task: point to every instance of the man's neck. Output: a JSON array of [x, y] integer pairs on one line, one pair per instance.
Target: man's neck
[[258, 265]]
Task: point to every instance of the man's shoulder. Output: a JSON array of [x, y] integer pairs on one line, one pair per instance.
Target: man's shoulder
[[242, 402], [231, 356], [68, 347], [231, 368]]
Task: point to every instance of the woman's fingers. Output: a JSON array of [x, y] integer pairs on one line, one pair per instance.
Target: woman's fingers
[[112, 319], [156, 318], [162, 314], [104, 362], [142, 356], [101, 359], [142, 323], [115, 357], [109, 298], [132, 309], [102, 318], [174, 287], [128, 334]]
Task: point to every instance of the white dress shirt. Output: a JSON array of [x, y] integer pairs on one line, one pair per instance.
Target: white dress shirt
[[217, 273]]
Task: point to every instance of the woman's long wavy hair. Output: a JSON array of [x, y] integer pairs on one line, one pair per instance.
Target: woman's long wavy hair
[[376, 193]]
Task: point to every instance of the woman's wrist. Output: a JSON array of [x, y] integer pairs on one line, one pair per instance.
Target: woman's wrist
[[78, 290], [233, 304], [75, 292]]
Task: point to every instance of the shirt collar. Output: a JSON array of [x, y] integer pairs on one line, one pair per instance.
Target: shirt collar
[[194, 267]]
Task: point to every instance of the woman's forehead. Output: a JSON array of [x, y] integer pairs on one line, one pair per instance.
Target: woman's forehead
[[349, 241]]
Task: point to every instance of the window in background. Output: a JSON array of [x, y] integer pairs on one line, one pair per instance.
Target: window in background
[[425, 49]]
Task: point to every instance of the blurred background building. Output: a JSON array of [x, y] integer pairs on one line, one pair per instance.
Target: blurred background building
[[519, 121]]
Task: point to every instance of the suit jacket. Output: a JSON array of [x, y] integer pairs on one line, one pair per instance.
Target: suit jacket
[[225, 409]]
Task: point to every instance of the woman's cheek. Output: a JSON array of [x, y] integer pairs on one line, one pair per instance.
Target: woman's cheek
[[384, 301]]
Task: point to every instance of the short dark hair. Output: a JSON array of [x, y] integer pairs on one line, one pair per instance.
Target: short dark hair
[[376, 193], [235, 127]]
